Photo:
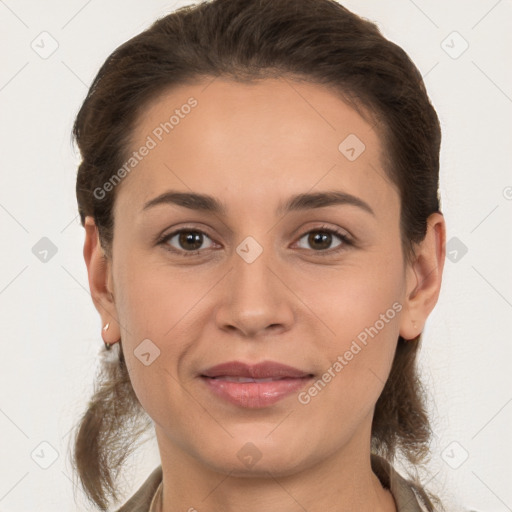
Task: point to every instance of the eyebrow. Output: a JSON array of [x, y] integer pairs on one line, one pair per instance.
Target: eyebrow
[[306, 201]]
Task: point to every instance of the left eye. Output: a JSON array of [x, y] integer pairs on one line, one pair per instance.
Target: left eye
[[322, 237]]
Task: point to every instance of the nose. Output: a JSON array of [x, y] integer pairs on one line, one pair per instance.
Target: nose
[[256, 298]]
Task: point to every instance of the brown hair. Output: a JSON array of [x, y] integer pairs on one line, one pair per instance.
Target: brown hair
[[318, 41]]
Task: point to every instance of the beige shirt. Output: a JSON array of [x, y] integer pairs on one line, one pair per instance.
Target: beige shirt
[[406, 499]]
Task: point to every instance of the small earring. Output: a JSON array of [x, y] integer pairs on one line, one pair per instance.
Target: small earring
[[108, 346]]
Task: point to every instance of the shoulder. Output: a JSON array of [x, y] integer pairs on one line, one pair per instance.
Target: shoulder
[[405, 493], [141, 500]]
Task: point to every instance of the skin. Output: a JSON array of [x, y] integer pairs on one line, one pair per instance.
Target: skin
[[253, 146]]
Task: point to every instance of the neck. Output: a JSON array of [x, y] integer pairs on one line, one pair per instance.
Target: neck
[[342, 482]]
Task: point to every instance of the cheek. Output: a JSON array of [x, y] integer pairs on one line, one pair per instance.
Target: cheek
[[157, 331], [361, 307], [157, 300], [164, 306], [351, 298]]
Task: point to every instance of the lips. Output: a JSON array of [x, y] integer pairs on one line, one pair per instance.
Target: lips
[[254, 386]]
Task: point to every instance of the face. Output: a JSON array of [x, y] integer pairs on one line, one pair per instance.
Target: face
[[318, 286]]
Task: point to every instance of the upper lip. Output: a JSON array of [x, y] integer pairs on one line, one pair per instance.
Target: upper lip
[[263, 370]]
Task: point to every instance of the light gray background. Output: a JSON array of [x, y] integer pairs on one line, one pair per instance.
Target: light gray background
[[51, 331]]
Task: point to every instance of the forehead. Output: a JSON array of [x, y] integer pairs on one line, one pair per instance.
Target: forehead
[[247, 142]]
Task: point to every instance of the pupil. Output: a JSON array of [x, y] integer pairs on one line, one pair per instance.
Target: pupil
[[319, 237], [189, 237]]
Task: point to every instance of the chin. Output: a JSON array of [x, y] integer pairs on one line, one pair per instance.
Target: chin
[[254, 456]]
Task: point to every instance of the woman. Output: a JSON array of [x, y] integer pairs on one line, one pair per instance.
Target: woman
[[259, 190]]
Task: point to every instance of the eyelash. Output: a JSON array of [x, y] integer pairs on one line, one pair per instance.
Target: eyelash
[[346, 241]]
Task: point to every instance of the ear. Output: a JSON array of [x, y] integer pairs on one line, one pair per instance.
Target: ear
[[99, 269], [423, 278]]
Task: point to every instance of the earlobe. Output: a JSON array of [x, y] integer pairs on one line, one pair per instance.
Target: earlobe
[[423, 279], [99, 274]]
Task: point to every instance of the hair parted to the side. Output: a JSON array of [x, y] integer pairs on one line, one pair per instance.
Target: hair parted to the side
[[318, 41]]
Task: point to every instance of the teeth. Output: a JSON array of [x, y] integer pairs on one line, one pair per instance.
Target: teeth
[[245, 379]]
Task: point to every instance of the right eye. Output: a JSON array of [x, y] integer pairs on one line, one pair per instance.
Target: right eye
[[189, 239]]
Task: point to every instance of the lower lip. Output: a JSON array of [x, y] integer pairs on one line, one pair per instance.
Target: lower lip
[[255, 395]]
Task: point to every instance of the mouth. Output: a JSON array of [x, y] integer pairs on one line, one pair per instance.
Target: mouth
[[254, 386], [229, 378]]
